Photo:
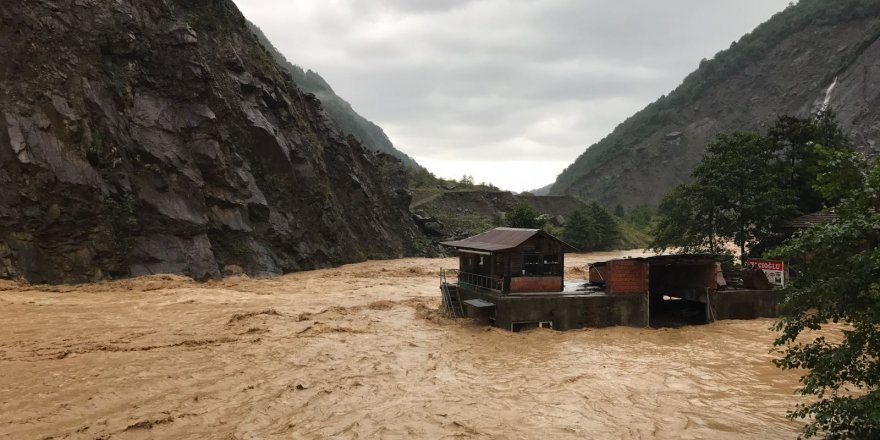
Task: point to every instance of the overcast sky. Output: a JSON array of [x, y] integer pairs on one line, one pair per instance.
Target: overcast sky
[[508, 91]]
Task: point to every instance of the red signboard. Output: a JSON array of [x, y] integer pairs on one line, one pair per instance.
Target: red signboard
[[766, 264]]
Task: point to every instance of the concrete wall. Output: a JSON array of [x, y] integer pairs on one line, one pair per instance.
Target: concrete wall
[[745, 304], [566, 312], [536, 284]]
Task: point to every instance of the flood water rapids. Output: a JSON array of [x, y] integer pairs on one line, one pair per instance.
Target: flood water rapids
[[362, 352]]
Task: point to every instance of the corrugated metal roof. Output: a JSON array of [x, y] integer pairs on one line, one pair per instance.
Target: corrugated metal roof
[[810, 220], [499, 239], [670, 259]]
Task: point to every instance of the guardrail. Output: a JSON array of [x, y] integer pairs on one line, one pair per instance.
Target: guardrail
[[467, 279]]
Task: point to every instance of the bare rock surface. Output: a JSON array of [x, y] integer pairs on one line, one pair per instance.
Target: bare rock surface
[[768, 73], [150, 136]]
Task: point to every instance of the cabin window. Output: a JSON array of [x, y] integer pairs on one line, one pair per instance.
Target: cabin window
[[532, 264], [552, 265], [541, 265]]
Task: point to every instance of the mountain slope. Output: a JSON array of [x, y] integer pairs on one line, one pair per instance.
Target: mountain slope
[[785, 66], [340, 111], [151, 136]]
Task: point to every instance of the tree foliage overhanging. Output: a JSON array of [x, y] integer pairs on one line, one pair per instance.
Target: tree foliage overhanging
[[838, 282], [748, 183]]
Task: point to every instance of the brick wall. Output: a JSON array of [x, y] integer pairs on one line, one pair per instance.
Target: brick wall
[[536, 284], [627, 276]]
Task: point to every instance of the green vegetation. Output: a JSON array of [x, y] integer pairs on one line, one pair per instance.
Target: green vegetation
[[838, 265], [470, 223], [591, 228], [746, 184], [633, 237], [794, 139], [523, 215], [124, 220], [420, 178], [734, 197], [233, 247], [640, 217], [470, 212], [741, 54]]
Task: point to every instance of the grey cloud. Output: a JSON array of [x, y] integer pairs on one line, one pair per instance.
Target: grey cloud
[[528, 80]]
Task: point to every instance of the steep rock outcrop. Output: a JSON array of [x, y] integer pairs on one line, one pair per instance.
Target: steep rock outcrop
[[340, 111], [786, 66], [147, 136]]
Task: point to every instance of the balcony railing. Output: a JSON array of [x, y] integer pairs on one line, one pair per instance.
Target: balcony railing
[[472, 280]]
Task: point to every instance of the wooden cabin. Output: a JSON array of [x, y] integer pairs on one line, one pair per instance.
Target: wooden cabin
[[512, 260]]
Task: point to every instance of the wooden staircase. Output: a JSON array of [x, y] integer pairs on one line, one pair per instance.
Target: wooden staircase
[[451, 299]]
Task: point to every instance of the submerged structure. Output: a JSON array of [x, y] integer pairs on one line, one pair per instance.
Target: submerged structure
[[512, 260], [515, 279]]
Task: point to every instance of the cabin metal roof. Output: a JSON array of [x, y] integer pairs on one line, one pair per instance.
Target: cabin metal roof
[[501, 239], [670, 259], [810, 220]]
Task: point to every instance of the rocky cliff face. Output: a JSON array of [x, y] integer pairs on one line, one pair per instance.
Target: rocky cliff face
[[147, 136], [339, 110], [786, 66]]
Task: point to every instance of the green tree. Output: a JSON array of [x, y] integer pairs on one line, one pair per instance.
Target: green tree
[[688, 220], [640, 217], [579, 229], [734, 196], [606, 226], [794, 141], [750, 202], [841, 173], [591, 228], [523, 216], [838, 266]]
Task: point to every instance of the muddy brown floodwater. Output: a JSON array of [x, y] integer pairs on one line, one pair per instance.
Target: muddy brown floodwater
[[361, 351]]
